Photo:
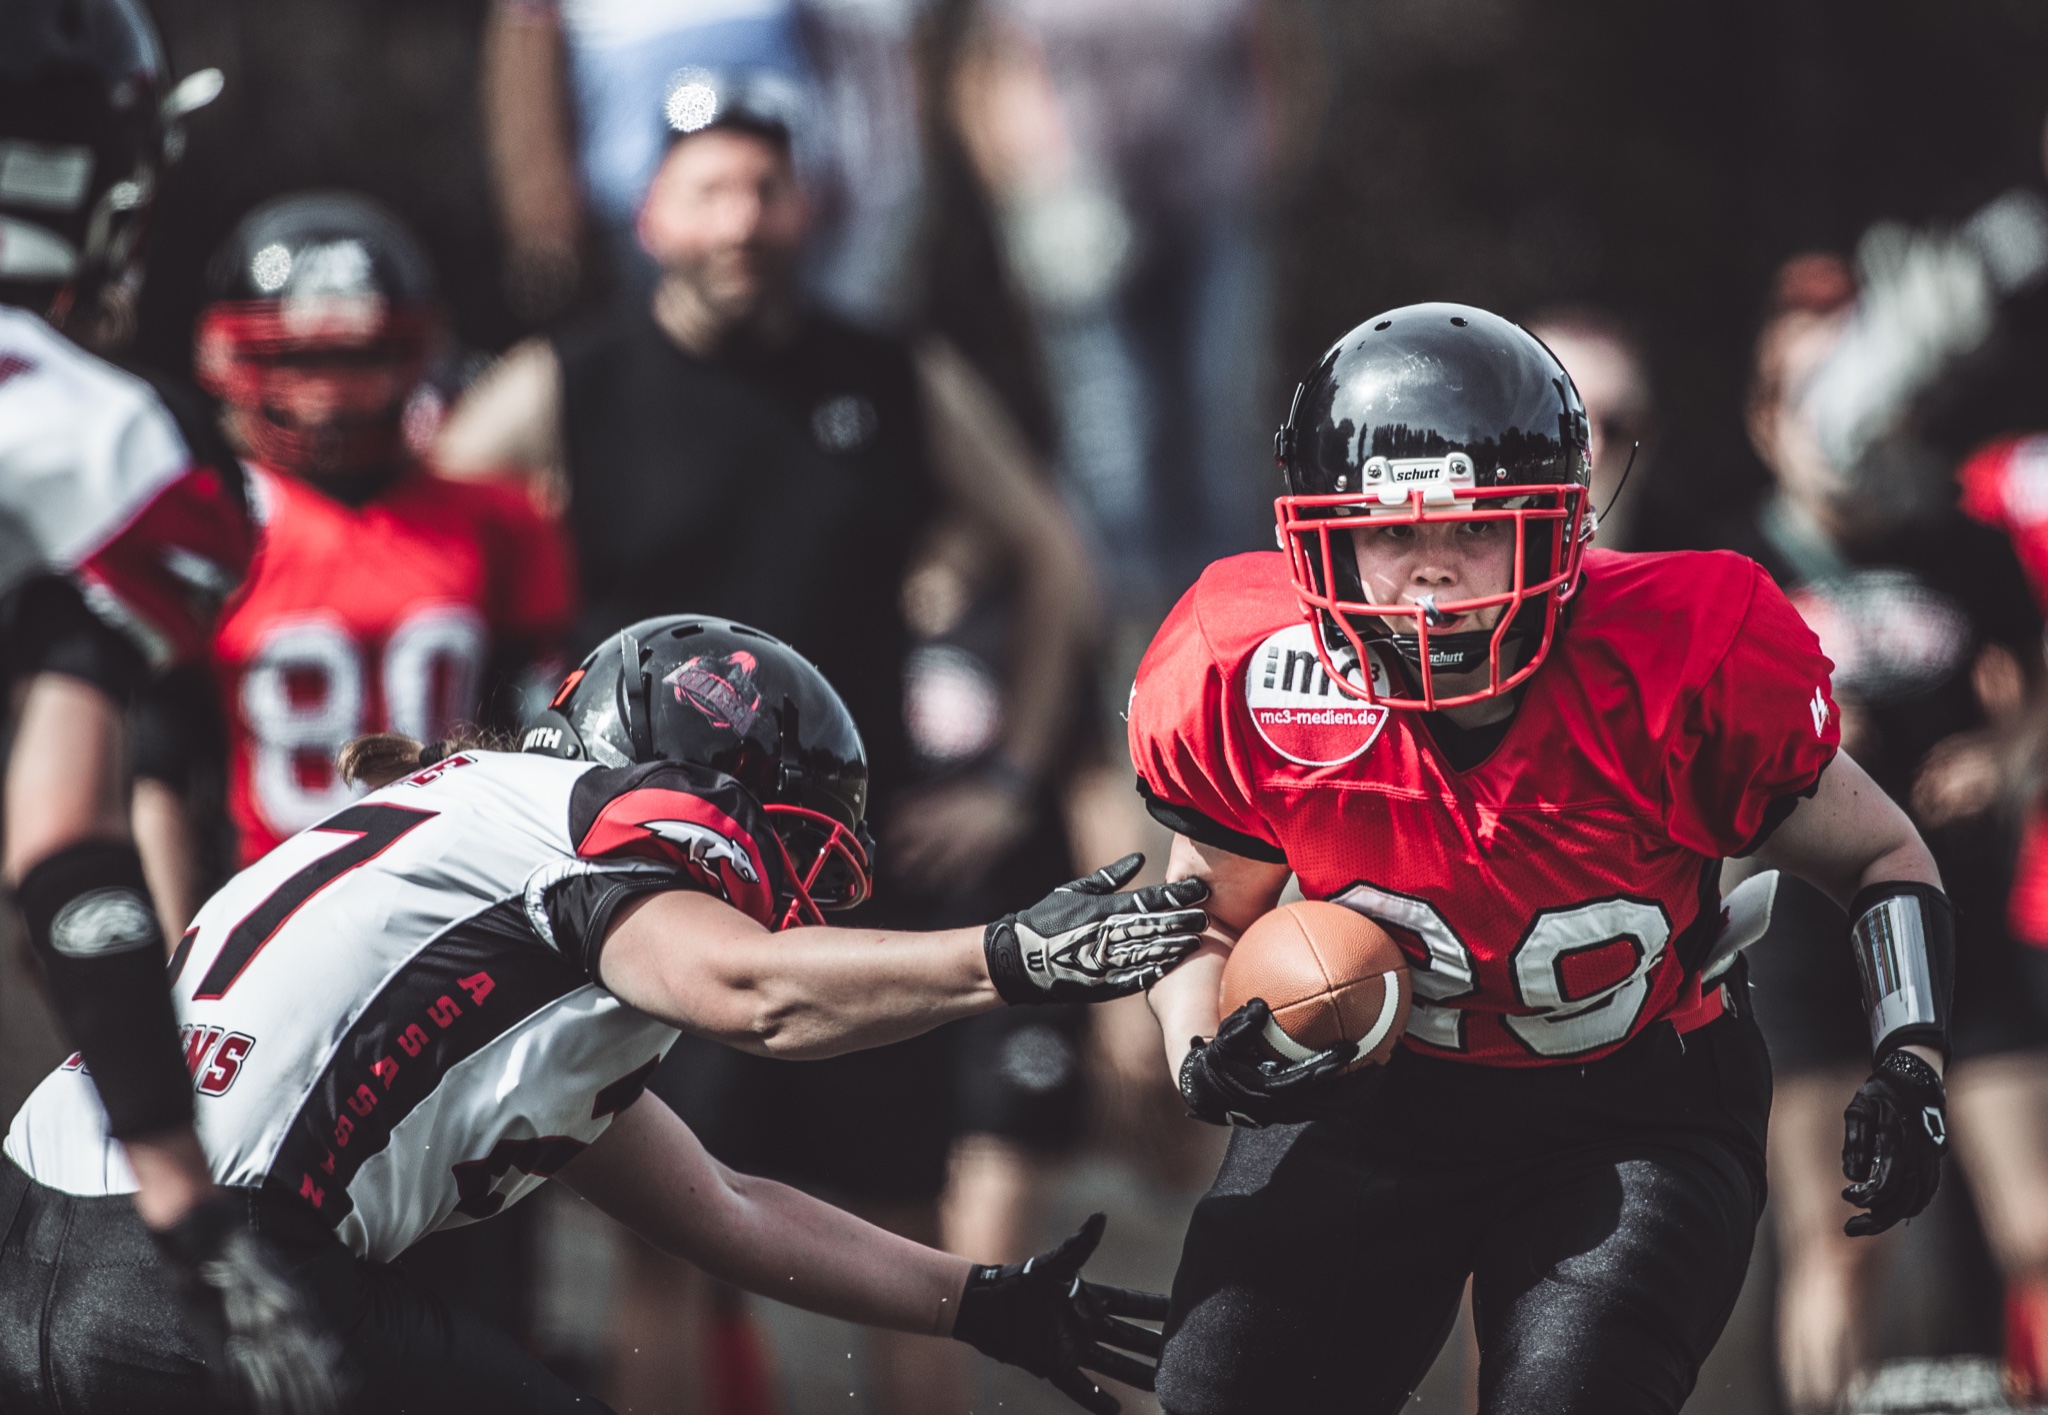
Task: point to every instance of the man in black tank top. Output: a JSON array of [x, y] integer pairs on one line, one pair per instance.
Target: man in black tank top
[[729, 449], [785, 482]]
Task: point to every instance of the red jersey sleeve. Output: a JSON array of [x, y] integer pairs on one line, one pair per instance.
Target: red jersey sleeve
[[1981, 484], [163, 577], [1186, 735], [1757, 733], [2004, 485]]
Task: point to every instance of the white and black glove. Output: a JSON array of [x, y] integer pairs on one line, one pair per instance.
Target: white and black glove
[[1894, 1136], [278, 1356], [1232, 1079], [1042, 1315], [1085, 942]]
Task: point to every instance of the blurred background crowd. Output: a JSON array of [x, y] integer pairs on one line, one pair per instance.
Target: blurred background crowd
[[946, 339]]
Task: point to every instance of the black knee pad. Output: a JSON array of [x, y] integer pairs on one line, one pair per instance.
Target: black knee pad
[[91, 923]]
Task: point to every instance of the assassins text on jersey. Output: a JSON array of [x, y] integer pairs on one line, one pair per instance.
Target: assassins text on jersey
[[1556, 896], [396, 1015]]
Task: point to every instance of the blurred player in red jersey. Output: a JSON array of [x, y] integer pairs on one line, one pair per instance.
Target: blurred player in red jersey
[[1526, 760], [124, 527], [2005, 485], [382, 597]]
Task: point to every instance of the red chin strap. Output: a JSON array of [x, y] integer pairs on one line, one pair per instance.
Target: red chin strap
[[1309, 524], [839, 844]]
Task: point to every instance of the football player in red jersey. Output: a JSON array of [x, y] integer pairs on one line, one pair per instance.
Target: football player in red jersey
[[124, 527], [1526, 760], [382, 597]]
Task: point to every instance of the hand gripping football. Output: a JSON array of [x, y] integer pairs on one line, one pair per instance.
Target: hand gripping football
[[1329, 974]]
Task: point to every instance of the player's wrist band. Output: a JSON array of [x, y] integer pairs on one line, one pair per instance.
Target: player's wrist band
[[1907, 1067], [1904, 938], [90, 921]]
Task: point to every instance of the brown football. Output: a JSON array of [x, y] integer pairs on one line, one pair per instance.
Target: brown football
[[1328, 973]]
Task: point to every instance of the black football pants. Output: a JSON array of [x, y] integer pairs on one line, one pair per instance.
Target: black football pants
[[1605, 1213], [90, 1321]]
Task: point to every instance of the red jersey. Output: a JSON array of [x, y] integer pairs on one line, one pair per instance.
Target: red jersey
[[1559, 895], [2005, 486], [372, 618]]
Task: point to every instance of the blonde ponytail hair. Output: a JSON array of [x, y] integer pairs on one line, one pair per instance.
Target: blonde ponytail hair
[[380, 758]]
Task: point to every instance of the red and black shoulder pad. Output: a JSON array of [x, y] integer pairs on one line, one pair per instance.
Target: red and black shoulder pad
[[700, 822]]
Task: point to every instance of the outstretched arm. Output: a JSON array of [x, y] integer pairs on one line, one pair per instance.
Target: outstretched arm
[[699, 963], [651, 1174]]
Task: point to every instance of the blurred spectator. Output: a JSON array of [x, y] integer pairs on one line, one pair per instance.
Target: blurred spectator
[[1935, 640], [1606, 362], [1124, 150], [1937, 327], [573, 93], [728, 447], [868, 247], [2005, 485]]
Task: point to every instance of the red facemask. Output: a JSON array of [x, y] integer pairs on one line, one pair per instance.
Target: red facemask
[[357, 359], [1551, 528], [837, 873]]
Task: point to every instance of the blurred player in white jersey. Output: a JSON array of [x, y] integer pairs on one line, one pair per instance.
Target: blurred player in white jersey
[[121, 529]]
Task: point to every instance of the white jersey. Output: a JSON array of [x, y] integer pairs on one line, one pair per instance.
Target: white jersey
[[98, 483], [395, 1015]]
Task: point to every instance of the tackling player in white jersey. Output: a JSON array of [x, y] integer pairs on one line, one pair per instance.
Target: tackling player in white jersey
[[408, 1016]]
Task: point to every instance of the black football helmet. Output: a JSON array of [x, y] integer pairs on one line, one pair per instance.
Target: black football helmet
[[1435, 413], [326, 281], [687, 688], [87, 122]]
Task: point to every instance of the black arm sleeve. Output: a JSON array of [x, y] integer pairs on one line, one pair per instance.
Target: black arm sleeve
[[48, 629], [176, 729], [580, 909], [1184, 820]]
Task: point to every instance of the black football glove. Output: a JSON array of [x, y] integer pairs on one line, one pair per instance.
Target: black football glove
[[1234, 1080], [1084, 942], [1042, 1315], [1894, 1135], [279, 1357]]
